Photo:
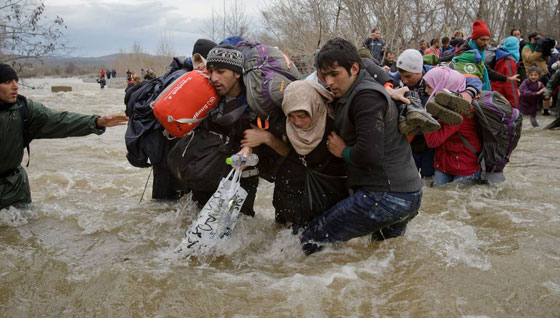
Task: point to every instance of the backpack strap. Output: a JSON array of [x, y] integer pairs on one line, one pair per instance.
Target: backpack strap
[[480, 158], [24, 115]]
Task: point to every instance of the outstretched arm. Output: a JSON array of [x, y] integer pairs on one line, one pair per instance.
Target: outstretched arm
[[112, 120]]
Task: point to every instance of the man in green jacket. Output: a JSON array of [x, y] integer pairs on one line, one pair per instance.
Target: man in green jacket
[[22, 120]]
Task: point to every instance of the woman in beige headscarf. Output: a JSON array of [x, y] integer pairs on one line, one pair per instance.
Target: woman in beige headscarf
[[307, 127]]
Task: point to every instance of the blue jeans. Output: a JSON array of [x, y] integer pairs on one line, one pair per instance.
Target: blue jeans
[[441, 178], [383, 214]]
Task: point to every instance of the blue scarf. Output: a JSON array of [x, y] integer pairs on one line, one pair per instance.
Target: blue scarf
[[486, 83]]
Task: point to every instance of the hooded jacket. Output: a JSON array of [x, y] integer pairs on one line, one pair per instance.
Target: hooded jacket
[[43, 123], [505, 64]]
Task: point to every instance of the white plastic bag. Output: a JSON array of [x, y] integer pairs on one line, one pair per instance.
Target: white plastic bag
[[217, 219]]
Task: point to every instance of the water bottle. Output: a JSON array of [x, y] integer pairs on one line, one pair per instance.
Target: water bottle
[[238, 160]]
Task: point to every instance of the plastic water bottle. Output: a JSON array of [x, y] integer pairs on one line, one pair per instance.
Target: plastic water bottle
[[238, 160]]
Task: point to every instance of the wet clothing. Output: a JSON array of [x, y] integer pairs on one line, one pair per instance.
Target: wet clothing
[[289, 186], [452, 156], [43, 123], [528, 97], [383, 214], [379, 165], [230, 118]]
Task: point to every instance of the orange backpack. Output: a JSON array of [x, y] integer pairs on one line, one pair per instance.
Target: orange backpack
[[185, 103]]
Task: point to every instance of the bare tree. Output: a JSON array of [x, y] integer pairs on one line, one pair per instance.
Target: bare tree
[[232, 21], [25, 33], [301, 26], [165, 46]]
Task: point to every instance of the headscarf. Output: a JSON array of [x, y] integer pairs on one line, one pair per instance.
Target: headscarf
[[486, 83], [511, 45], [312, 98], [444, 77]]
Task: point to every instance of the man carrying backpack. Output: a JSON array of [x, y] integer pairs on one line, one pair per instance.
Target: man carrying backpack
[[232, 116], [24, 120], [469, 60]]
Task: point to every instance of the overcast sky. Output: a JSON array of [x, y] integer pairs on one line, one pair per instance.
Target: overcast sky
[[102, 27]]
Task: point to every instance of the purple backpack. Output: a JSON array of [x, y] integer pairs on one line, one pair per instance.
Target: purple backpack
[[267, 71], [499, 127]]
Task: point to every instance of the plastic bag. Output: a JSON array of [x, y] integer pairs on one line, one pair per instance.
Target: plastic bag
[[217, 219]]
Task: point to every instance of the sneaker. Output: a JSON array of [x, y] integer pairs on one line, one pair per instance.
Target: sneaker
[[417, 117], [454, 101], [445, 115], [546, 112]]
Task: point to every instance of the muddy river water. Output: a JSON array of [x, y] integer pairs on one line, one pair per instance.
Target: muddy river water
[[87, 248]]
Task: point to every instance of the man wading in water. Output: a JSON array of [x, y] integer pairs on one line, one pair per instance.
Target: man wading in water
[[23, 120], [381, 171]]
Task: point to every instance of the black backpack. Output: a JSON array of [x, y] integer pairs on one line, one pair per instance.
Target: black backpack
[[198, 160], [144, 137]]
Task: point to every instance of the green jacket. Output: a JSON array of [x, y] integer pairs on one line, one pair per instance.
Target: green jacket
[[43, 123]]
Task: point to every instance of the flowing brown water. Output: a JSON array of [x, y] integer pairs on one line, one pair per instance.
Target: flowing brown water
[[86, 248]]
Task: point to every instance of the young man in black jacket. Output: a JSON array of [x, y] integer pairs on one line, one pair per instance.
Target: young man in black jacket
[[381, 172]]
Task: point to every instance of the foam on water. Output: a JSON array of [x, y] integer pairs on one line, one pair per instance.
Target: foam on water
[[88, 248]]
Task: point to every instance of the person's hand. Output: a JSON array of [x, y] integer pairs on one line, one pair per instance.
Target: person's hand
[[466, 96], [541, 91], [112, 120], [386, 68], [255, 137], [398, 94], [546, 97], [335, 144], [513, 79]]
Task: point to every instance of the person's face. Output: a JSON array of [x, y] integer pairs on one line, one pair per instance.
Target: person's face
[[429, 89], [410, 79], [437, 44], [423, 46], [300, 119], [376, 34], [482, 42], [225, 81], [9, 91], [534, 40], [389, 57], [517, 34], [338, 80], [534, 77]]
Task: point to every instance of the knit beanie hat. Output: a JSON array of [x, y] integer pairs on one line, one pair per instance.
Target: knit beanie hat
[[411, 61], [225, 56], [479, 29], [7, 73], [202, 47]]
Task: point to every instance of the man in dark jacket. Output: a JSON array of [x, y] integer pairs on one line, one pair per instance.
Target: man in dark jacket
[[376, 45], [232, 116], [23, 120], [381, 171]]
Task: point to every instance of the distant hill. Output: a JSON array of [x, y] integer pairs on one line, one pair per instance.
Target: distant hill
[[84, 61]]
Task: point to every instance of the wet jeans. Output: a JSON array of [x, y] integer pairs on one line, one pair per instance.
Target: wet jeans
[[441, 178], [382, 214]]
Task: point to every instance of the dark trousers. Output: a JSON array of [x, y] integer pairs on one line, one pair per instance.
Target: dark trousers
[[383, 214], [424, 162]]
